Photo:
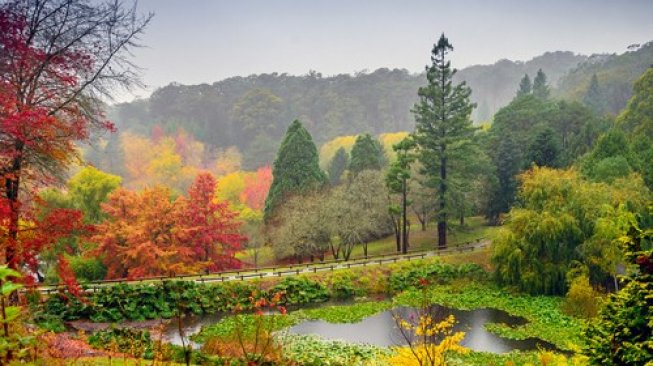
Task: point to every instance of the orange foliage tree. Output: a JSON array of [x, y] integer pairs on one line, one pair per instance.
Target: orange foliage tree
[[256, 188], [149, 234]]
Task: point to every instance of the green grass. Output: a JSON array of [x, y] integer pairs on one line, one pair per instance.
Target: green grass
[[475, 228]]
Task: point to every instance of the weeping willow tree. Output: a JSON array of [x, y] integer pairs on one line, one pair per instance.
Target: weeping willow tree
[[564, 221]]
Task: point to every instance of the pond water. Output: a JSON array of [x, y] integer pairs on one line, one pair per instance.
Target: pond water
[[381, 329]]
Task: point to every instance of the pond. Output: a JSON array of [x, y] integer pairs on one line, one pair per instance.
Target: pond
[[381, 330]]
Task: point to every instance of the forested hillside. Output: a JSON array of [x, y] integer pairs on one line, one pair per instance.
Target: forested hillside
[[615, 75], [253, 112]]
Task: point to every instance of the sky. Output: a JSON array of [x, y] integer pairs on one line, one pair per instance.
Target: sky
[[204, 41]]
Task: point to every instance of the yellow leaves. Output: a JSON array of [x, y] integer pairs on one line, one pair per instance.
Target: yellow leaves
[[228, 161], [387, 140], [328, 150], [424, 350]]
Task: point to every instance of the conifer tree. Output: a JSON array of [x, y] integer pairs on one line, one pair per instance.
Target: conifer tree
[[444, 131], [540, 89], [337, 166], [544, 149], [525, 86], [295, 169], [366, 154], [594, 96]]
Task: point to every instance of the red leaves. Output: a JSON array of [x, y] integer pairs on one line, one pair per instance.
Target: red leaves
[[68, 278], [256, 188], [149, 235]]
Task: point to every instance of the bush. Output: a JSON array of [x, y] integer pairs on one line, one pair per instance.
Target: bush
[[434, 273], [300, 290], [88, 269], [582, 300]]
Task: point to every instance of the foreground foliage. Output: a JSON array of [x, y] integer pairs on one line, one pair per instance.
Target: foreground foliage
[[623, 332]]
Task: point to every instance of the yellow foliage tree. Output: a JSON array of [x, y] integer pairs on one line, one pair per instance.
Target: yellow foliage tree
[[390, 139], [328, 150]]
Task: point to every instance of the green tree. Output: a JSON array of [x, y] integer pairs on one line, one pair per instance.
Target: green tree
[[544, 149], [397, 180], [623, 332], [637, 118], [88, 189], [295, 169], [564, 220], [540, 88], [366, 154], [593, 98], [507, 162], [337, 166], [525, 86], [444, 131]]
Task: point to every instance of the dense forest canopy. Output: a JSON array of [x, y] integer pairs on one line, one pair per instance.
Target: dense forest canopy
[[253, 112]]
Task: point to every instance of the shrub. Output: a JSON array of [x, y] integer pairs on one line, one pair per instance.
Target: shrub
[[582, 300], [301, 290]]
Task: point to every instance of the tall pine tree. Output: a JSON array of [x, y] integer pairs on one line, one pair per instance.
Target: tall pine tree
[[593, 98], [295, 169], [444, 131], [540, 89], [525, 86]]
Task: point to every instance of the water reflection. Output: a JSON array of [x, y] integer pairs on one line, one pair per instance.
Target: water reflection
[[381, 330]]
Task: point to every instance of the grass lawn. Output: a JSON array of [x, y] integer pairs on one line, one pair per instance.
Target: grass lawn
[[474, 229]]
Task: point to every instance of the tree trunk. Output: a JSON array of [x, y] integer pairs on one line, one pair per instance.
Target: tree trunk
[[462, 220], [12, 187], [442, 215], [404, 247]]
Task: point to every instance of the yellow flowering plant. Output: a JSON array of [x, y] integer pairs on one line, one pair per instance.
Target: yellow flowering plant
[[429, 336]]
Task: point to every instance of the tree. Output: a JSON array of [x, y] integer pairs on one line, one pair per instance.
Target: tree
[[593, 98], [359, 211], [397, 180], [544, 150], [337, 166], [564, 220], [256, 188], [444, 130], [295, 169], [540, 88], [637, 118], [58, 57], [208, 227], [138, 238], [525, 86], [623, 331], [366, 154], [304, 228], [88, 189]]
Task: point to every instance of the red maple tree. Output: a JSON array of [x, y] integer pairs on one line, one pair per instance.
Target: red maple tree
[[57, 57], [210, 228]]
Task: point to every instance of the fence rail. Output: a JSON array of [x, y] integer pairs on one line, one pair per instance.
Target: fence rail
[[278, 271]]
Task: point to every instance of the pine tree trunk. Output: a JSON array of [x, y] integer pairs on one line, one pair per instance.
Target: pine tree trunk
[[404, 247]]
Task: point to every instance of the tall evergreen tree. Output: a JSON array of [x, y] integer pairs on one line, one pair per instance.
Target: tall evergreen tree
[[545, 149], [444, 131], [295, 169], [593, 98], [507, 160], [337, 166], [525, 86], [366, 154], [540, 89]]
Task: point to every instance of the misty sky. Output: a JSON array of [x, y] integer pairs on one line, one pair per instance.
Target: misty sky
[[196, 41]]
